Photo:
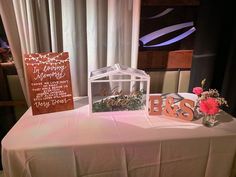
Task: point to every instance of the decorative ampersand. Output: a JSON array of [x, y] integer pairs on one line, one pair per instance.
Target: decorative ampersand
[[170, 110]]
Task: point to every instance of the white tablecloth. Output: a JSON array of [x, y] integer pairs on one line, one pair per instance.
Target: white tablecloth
[[74, 144]]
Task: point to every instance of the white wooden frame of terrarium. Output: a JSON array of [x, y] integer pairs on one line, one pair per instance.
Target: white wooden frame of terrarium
[[114, 72]]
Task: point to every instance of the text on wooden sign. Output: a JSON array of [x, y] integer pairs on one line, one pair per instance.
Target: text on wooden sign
[[49, 82]]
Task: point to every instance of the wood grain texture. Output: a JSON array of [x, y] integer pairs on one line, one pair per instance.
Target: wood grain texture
[[49, 82], [164, 60], [180, 59], [152, 60]]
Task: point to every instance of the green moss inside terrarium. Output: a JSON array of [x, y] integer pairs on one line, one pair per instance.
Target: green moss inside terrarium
[[120, 102]]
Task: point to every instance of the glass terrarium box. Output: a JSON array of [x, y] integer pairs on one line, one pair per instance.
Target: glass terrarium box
[[118, 88]]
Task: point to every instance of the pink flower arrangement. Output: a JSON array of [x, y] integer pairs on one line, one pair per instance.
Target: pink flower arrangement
[[197, 90], [209, 102], [209, 106]]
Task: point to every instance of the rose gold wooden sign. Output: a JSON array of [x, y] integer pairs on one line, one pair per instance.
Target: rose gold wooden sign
[[183, 111], [49, 82]]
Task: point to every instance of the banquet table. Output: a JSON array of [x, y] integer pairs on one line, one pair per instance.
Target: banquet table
[[76, 144]]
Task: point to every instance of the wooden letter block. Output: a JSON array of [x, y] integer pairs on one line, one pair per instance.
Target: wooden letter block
[[187, 112], [155, 105], [182, 111]]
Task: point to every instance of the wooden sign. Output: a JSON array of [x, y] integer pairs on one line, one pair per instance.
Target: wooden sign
[[183, 111], [49, 82]]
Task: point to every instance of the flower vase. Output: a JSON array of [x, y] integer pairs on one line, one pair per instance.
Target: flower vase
[[197, 114], [209, 120]]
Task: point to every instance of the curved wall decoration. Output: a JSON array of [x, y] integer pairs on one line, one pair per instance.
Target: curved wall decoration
[[166, 42], [167, 33], [168, 10], [161, 32]]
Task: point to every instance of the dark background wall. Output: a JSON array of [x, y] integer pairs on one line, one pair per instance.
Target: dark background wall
[[183, 11]]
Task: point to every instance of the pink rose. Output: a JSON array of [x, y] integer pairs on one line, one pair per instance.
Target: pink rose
[[209, 106], [197, 90]]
